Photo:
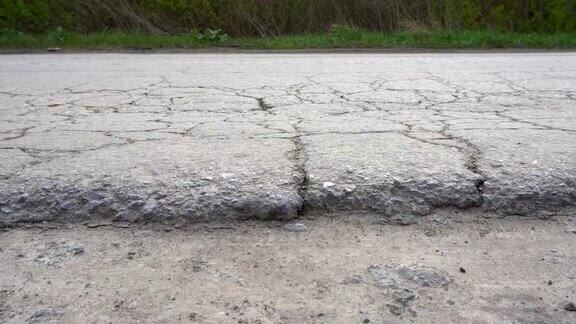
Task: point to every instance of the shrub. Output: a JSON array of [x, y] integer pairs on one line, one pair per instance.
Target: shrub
[[280, 17], [210, 36]]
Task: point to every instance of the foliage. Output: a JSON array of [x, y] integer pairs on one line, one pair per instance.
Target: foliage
[[335, 39], [210, 36], [284, 17], [343, 32]]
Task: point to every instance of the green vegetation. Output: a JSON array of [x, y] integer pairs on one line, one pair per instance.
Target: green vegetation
[[285, 17], [333, 39], [287, 24]]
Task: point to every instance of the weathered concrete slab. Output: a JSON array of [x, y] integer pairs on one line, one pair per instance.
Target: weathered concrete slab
[[209, 136], [160, 180], [387, 173], [526, 170]]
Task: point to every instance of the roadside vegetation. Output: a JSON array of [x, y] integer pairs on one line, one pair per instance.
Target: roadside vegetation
[[287, 24], [356, 39]]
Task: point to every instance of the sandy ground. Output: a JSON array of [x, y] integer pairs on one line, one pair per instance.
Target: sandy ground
[[448, 267]]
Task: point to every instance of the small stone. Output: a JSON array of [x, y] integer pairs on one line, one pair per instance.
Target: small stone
[[135, 205], [43, 217], [231, 184], [6, 209], [80, 215], [295, 227], [198, 265], [349, 188], [91, 205], [354, 280], [227, 176], [549, 282], [122, 216], [46, 314], [424, 276], [377, 273], [402, 301], [149, 206], [68, 205], [327, 185], [462, 270], [570, 307], [55, 252], [95, 195], [119, 304]]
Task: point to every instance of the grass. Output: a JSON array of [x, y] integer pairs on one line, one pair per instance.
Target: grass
[[334, 39]]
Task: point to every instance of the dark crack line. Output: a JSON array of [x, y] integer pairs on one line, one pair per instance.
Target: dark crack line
[[472, 155], [263, 105], [514, 119], [300, 158]]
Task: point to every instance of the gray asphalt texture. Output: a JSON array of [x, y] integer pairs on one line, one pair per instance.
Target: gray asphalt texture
[[195, 137]]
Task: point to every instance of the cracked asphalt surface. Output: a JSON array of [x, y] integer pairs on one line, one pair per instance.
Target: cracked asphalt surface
[[177, 138]]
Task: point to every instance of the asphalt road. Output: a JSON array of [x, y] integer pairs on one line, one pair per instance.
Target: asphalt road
[[194, 137]]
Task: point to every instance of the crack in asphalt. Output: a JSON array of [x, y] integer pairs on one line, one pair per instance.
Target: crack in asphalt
[[299, 158], [222, 110], [263, 105], [540, 126]]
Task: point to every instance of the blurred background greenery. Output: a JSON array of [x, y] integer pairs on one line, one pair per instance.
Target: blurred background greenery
[[284, 17]]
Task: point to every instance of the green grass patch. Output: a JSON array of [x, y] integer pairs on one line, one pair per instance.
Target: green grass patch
[[338, 37]]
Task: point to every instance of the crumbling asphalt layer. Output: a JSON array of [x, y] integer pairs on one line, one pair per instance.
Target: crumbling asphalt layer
[[172, 138]]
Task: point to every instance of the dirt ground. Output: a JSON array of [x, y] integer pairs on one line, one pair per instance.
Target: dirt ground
[[452, 266]]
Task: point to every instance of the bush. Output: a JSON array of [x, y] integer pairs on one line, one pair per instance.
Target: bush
[[346, 32], [210, 36], [281, 17]]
